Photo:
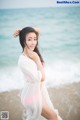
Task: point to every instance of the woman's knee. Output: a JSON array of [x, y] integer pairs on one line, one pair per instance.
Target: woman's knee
[[54, 116]]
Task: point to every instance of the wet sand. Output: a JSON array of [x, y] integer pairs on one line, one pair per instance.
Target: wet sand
[[65, 98]]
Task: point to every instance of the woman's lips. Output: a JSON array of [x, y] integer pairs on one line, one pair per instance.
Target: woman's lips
[[32, 46]]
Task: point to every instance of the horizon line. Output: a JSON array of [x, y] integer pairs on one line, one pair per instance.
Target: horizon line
[[40, 7]]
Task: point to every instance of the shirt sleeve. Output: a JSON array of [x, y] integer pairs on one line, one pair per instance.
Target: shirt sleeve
[[30, 70]]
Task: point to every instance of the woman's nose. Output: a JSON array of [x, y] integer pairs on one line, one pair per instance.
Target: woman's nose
[[33, 42]]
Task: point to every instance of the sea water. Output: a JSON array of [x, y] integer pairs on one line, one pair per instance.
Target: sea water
[[59, 44]]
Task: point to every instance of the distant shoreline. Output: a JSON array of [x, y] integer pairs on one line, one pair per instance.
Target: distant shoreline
[[40, 7]]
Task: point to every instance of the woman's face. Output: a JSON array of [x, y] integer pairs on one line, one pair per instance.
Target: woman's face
[[31, 40]]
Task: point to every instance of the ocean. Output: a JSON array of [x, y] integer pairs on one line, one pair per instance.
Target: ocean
[[59, 44]]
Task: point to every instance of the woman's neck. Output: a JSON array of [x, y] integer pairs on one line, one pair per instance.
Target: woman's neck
[[25, 51]]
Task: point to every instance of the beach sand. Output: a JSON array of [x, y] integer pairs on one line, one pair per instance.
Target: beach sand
[[65, 98]]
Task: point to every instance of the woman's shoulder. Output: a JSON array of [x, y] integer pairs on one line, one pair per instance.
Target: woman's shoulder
[[24, 60], [21, 58]]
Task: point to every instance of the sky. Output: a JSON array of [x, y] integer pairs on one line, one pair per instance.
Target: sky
[[32, 3]]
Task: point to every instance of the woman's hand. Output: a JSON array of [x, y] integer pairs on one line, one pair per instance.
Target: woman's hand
[[16, 33], [33, 55]]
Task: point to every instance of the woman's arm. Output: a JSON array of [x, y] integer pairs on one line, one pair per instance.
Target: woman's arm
[[40, 67], [34, 56], [29, 70]]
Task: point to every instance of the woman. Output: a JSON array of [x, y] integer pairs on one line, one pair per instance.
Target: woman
[[34, 95]]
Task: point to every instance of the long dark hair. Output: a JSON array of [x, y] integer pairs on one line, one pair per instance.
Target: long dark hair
[[22, 39]]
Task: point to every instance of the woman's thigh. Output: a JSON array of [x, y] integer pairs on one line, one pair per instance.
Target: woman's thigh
[[47, 112]]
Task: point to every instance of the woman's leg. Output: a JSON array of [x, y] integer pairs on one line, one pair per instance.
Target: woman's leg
[[47, 112]]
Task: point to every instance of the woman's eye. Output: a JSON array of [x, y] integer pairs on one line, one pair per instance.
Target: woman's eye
[[35, 39], [29, 39]]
